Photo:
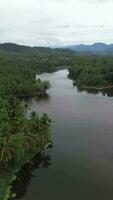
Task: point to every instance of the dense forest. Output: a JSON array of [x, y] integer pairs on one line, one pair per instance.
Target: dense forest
[[92, 71], [20, 139], [21, 136], [85, 70], [18, 78]]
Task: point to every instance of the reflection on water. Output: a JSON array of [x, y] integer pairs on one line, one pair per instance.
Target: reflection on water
[[82, 132], [45, 98], [108, 91], [25, 175]]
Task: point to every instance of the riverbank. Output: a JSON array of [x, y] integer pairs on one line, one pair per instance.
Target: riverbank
[[31, 95], [20, 139], [95, 88], [6, 183], [81, 161]]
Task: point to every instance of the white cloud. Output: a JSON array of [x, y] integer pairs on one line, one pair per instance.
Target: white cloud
[[56, 22]]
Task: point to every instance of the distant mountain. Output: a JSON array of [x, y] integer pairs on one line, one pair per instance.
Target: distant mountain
[[11, 47], [97, 49]]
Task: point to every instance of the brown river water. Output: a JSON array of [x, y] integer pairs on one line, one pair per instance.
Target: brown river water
[[80, 165]]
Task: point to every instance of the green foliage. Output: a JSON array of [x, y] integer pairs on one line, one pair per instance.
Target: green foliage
[[18, 71], [19, 134], [92, 71], [20, 137], [19, 80]]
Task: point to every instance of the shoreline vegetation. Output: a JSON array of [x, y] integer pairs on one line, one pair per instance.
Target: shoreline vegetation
[[92, 72], [24, 176], [7, 184], [21, 137], [93, 88]]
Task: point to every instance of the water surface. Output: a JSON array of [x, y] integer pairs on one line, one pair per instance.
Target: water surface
[[82, 158]]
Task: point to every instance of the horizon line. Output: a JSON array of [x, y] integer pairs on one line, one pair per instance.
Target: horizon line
[[55, 46]]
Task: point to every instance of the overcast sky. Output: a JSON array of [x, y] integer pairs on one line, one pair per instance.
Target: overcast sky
[[56, 22]]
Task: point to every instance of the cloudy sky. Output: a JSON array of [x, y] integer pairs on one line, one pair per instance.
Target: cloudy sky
[[56, 22]]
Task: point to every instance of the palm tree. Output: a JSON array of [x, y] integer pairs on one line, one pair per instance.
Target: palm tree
[[7, 152], [33, 115], [45, 123], [32, 141], [35, 122]]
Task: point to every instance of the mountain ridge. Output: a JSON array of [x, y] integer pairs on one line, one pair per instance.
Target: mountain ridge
[[96, 48], [17, 48], [93, 49]]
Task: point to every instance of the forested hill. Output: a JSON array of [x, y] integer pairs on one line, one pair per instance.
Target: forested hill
[[20, 64], [17, 61], [15, 48], [96, 49]]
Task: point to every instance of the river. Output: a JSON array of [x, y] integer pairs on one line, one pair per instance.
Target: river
[[81, 165]]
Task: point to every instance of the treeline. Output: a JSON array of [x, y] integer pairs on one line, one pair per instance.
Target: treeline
[[18, 77], [15, 48], [20, 137], [18, 71], [19, 134], [92, 71]]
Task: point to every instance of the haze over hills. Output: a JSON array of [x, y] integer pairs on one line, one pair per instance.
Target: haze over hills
[[96, 48], [11, 47]]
